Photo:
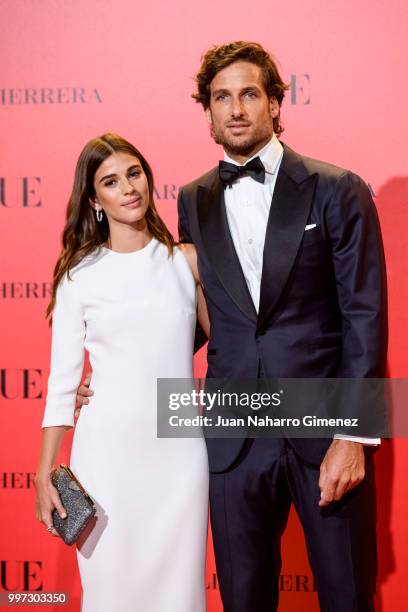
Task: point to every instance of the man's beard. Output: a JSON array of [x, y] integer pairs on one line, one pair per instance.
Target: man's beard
[[246, 146]]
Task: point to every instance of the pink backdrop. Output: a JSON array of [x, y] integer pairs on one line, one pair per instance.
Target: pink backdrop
[[72, 70]]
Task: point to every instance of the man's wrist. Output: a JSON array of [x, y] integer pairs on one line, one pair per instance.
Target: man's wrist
[[361, 439]]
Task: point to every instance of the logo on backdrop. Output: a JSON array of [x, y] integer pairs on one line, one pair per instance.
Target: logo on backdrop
[[17, 480], [288, 583], [25, 192], [34, 96], [300, 89], [49, 95], [297, 583], [21, 575], [20, 192], [167, 191], [21, 383], [212, 582], [16, 290]]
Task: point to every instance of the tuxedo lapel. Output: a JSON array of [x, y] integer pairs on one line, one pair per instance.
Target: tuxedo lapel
[[290, 209], [219, 245]]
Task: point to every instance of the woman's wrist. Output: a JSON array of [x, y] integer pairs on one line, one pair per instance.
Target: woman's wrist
[[43, 476]]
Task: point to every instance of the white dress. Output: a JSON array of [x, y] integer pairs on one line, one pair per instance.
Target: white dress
[[135, 313]]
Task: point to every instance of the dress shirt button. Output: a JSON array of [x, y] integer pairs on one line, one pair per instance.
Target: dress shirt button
[[250, 241]]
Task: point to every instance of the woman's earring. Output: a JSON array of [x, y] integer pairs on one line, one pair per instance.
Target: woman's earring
[[99, 215]]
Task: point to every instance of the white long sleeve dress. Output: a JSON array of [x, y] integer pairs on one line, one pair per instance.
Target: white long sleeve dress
[[135, 313]]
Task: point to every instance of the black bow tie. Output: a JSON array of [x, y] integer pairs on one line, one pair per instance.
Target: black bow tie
[[229, 173]]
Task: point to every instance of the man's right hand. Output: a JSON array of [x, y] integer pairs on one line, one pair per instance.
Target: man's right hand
[[83, 393]]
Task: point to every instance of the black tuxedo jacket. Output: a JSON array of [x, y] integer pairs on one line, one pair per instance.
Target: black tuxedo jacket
[[323, 305]]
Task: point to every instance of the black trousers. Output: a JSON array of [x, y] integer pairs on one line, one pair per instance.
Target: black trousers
[[249, 510]]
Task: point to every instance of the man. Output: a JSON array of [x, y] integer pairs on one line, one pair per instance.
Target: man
[[293, 270], [291, 261]]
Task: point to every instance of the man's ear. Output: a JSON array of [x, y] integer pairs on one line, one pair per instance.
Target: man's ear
[[208, 115], [273, 107]]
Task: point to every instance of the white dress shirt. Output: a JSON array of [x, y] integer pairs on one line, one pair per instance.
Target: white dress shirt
[[247, 204]]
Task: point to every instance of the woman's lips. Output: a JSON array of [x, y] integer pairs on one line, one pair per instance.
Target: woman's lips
[[133, 203]]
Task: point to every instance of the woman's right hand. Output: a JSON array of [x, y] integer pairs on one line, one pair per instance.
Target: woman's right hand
[[47, 499]]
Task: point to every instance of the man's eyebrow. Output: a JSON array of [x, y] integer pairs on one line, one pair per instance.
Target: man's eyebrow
[[218, 91], [249, 87], [243, 90], [114, 174]]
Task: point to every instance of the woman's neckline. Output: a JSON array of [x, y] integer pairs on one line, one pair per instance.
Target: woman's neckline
[[124, 253]]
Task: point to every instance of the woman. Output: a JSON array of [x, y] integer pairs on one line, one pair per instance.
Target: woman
[[123, 291]]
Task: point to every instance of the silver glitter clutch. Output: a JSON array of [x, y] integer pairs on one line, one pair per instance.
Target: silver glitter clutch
[[78, 505]]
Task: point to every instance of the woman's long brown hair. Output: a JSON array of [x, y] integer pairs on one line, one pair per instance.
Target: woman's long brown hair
[[82, 232]]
